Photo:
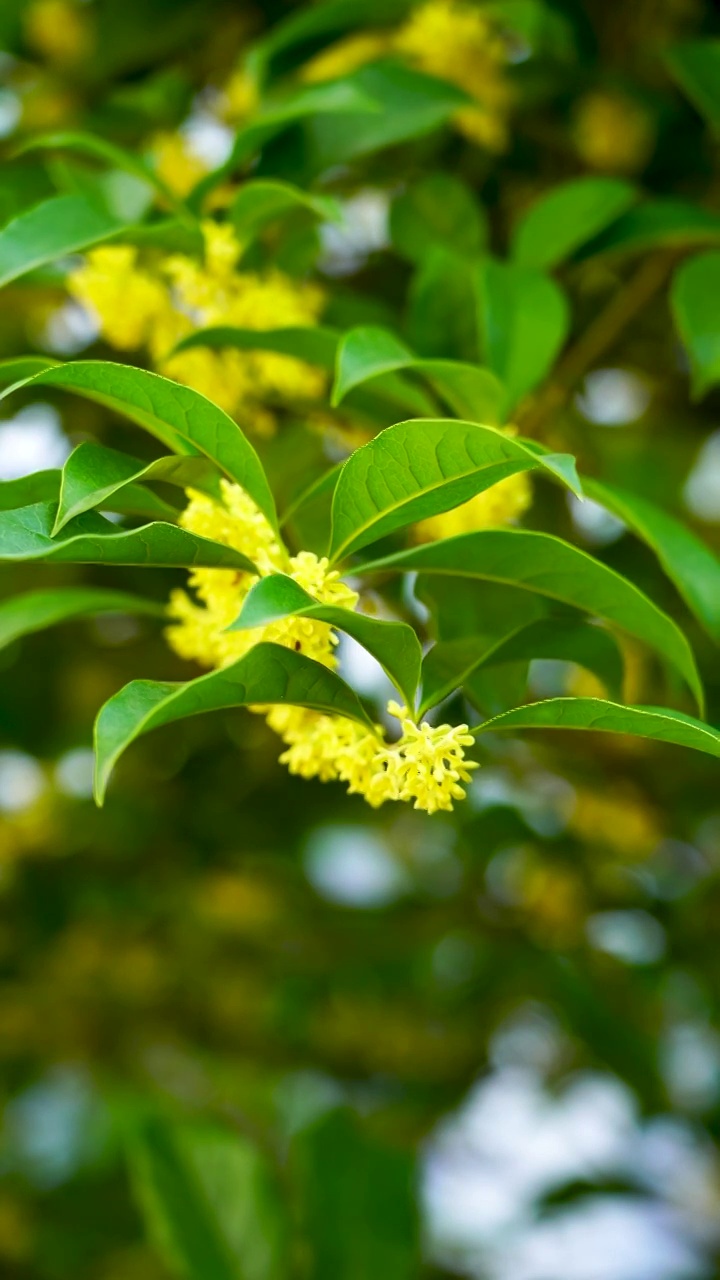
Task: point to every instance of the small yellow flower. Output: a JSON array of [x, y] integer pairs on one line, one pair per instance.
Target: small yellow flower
[[240, 97], [347, 55], [432, 761], [176, 163], [613, 132], [126, 300], [58, 30]]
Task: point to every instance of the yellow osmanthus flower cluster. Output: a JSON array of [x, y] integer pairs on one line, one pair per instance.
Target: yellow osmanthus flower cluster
[[500, 505], [426, 765], [450, 39], [152, 302]]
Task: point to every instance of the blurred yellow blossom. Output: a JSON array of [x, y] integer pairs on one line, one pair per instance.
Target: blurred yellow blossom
[[240, 97], [58, 30], [618, 818], [613, 132], [175, 162], [346, 55], [126, 301], [500, 505], [15, 1231]]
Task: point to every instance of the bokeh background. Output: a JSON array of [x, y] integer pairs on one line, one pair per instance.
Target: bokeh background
[[493, 1034]]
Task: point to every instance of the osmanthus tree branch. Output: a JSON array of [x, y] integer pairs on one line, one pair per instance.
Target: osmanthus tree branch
[[604, 331]]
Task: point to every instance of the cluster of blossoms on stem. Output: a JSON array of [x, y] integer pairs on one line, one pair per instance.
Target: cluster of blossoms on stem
[[155, 301], [426, 765]]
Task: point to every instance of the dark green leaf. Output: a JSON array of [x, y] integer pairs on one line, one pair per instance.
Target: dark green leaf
[[566, 217], [437, 210], [660, 723], [656, 224], [417, 469], [694, 302], [26, 534], [262, 200], [268, 673], [695, 64], [540, 562], [523, 318], [394, 644], [61, 225], [38, 610]]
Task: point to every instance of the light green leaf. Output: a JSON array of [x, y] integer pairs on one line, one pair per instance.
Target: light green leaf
[[438, 209], [660, 723], [394, 644], [313, 343], [22, 367], [179, 416], [450, 663], [61, 225], [38, 610], [695, 64], [263, 199], [40, 486], [523, 319], [686, 560], [417, 469], [268, 673], [656, 224], [566, 217], [93, 475], [179, 1217], [368, 352], [694, 302], [543, 563], [26, 534]]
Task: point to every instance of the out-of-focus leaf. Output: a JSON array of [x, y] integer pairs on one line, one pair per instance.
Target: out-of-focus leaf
[[61, 225], [695, 64], [93, 475], [40, 486], [90, 144], [313, 343], [660, 723], [417, 469], [394, 644], [442, 312], [37, 610], [694, 301], [656, 224], [543, 563], [331, 17], [438, 209], [26, 534], [523, 319], [367, 352], [22, 367], [360, 1208], [260, 201], [183, 419], [268, 673], [686, 560], [566, 217]]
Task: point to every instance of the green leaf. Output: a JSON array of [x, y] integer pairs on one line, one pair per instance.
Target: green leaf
[[450, 663], [180, 1219], [40, 486], [686, 560], [38, 610], [22, 367], [656, 224], [417, 469], [326, 18], [694, 302], [695, 64], [543, 563], [89, 144], [93, 474], [394, 644], [313, 343], [179, 416], [26, 534], [442, 307], [566, 217], [523, 319], [61, 225], [660, 723], [263, 199], [437, 210], [369, 351], [268, 673]]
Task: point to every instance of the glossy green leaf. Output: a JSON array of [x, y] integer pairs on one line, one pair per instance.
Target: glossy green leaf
[[695, 64], [179, 416], [566, 217], [694, 303], [438, 209], [38, 610], [543, 563], [59, 226], [417, 469], [40, 486], [268, 673], [450, 663], [368, 352], [93, 475], [394, 644], [687, 561], [660, 723], [23, 367], [523, 320], [655, 224], [264, 199], [179, 1217], [26, 534]]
